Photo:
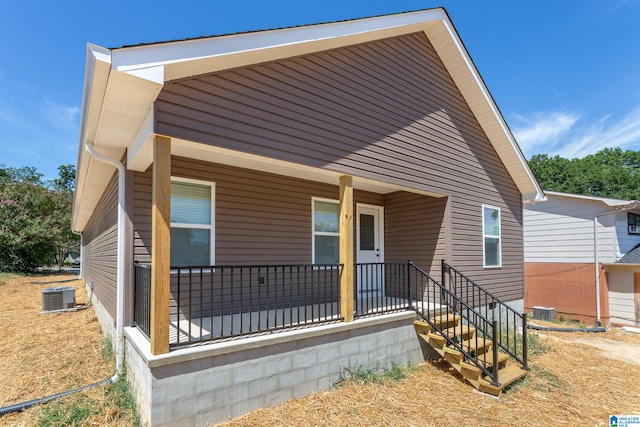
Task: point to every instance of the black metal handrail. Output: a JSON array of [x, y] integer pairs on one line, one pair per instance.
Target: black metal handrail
[[431, 299], [511, 335]]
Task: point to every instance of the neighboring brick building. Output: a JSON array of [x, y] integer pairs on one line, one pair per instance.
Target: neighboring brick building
[[561, 253]]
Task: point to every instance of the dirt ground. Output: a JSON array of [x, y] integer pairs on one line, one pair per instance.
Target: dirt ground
[[580, 380], [44, 354]]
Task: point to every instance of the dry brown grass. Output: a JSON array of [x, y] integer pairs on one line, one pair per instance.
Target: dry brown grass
[[44, 354], [574, 383]]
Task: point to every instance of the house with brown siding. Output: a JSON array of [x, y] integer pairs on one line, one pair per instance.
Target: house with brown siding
[[261, 210], [581, 258]]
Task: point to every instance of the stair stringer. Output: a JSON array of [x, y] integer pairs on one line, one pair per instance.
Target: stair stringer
[[445, 345]]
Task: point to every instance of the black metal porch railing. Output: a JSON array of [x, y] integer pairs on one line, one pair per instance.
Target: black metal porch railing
[[218, 302], [142, 298], [511, 336], [214, 302], [380, 288]]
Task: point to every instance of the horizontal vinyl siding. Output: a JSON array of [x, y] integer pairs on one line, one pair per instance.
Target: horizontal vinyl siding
[[260, 218], [100, 240], [142, 199], [414, 230], [561, 230], [342, 110], [386, 110], [506, 282]]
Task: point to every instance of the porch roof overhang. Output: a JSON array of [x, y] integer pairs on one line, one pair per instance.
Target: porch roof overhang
[[122, 84]]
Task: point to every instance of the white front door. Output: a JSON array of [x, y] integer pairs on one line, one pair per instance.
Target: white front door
[[370, 250]]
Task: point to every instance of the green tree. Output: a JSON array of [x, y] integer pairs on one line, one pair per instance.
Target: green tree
[[35, 221], [21, 174], [4, 175], [610, 172], [554, 173], [66, 178], [26, 235]]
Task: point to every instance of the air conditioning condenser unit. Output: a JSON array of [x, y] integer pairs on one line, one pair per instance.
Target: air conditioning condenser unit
[[544, 313], [60, 298]]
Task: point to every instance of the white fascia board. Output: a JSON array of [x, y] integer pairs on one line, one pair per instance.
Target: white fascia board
[[607, 201], [153, 74], [140, 152], [97, 70], [621, 265], [180, 56], [473, 89]]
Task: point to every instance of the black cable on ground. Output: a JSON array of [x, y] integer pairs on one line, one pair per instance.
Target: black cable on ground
[[18, 407], [547, 328]]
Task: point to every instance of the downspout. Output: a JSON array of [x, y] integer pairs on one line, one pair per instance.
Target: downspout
[[119, 297], [120, 261], [81, 274], [596, 258]]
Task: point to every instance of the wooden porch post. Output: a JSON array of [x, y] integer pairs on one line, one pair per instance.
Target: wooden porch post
[[160, 245], [346, 247]]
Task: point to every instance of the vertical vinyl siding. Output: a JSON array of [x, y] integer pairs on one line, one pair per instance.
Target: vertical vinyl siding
[[386, 110], [622, 307], [100, 239]]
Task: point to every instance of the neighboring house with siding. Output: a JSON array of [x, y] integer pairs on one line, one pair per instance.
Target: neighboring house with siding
[[562, 251], [283, 178]]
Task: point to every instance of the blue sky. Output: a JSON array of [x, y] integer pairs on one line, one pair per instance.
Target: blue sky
[[565, 74]]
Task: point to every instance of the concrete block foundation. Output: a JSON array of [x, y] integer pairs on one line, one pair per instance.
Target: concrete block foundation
[[205, 384]]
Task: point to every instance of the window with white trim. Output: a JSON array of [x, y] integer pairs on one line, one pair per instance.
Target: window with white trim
[[326, 232], [192, 223], [491, 230]]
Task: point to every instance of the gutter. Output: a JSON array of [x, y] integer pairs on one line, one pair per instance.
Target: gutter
[[632, 205]]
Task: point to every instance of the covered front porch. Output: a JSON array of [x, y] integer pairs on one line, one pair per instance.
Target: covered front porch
[[218, 303], [293, 258]]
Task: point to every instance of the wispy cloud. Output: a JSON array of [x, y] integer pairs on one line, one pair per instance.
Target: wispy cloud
[[29, 108], [568, 134], [59, 115], [543, 131], [35, 128]]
